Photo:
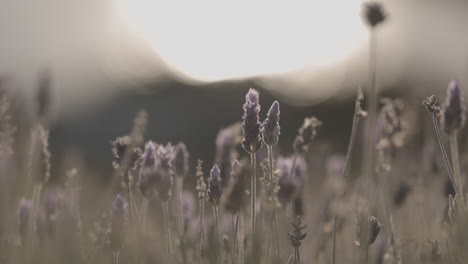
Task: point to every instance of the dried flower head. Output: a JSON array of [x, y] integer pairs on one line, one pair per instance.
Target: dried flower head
[[373, 13], [119, 148], [181, 160], [270, 127], [164, 171], [431, 105], [453, 112], [165, 155], [200, 185], [306, 134], [215, 190], [297, 234], [116, 230], [235, 195], [251, 142]]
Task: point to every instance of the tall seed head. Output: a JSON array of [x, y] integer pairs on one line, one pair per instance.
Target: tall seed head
[[373, 13], [453, 112], [251, 142], [225, 152], [270, 127]]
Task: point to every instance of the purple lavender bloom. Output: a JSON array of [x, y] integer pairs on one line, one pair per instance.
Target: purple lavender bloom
[[453, 113], [23, 214], [164, 171], [251, 142], [225, 152], [215, 189], [147, 174], [116, 231], [270, 127], [181, 160], [165, 155]]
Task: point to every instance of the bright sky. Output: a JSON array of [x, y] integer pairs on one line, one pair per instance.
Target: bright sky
[[212, 40]]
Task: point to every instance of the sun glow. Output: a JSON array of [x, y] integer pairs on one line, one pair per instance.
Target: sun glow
[[209, 40]]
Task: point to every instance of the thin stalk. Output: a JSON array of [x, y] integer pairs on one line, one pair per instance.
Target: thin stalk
[[456, 166], [442, 148], [115, 257], [293, 206], [143, 212], [234, 244], [201, 205], [345, 172], [179, 185], [242, 231], [130, 200], [268, 241], [369, 150], [218, 239], [167, 231], [272, 188], [253, 193]]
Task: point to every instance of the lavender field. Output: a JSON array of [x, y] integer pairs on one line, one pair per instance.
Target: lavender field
[[381, 182]]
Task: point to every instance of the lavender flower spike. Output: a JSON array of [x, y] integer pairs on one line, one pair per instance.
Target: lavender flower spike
[[147, 174], [270, 127], [453, 113], [116, 231], [181, 160], [251, 142], [215, 190]]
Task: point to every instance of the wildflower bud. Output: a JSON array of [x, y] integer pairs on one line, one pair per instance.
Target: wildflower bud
[[373, 13], [270, 127], [251, 141], [215, 190], [307, 133], [23, 214], [453, 115], [116, 231], [181, 160]]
